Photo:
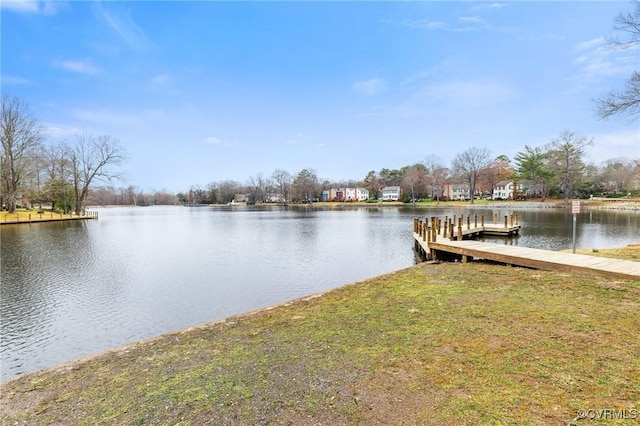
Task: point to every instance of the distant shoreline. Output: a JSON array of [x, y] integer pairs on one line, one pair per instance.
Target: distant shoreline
[[32, 216]]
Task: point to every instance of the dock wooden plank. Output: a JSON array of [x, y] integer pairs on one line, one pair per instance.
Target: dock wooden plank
[[536, 258]]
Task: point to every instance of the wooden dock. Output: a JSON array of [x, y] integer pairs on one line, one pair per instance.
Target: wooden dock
[[23, 218], [434, 246]]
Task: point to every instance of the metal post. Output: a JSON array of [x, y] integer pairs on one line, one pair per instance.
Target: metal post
[[574, 232], [575, 209]]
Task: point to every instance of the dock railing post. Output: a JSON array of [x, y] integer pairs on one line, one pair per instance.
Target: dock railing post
[[460, 231], [505, 221], [495, 218], [475, 221], [468, 222], [482, 219], [517, 223]]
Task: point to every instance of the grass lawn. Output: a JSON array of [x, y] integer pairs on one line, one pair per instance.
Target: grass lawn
[[432, 344]]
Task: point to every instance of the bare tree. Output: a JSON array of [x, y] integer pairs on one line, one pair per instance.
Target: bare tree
[[93, 159], [437, 175], [413, 178], [36, 177], [565, 157], [21, 136], [618, 174], [282, 179], [257, 187], [499, 169], [227, 190], [469, 165], [626, 101]]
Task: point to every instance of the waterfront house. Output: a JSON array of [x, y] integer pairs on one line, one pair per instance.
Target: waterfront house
[[356, 194], [345, 194], [455, 191], [274, 197], [390, 193], [504, 190]]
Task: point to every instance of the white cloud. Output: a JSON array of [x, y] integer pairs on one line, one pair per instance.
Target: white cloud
[[436, 25], [471, 23], [105, 117], [485, 5], [596, 60], [12, 80], [58, 131], [424, 23], [81, 67], [161, 79], [124, 25], [472, 19], [373, 86], [467, 93], [213, 140], [626, 143], [591, 44], [31, 6], [21, 6]]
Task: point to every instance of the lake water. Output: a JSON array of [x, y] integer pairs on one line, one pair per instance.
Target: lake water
[[71, 289]]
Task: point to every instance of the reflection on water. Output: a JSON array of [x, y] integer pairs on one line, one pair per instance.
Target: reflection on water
[[74, 288]]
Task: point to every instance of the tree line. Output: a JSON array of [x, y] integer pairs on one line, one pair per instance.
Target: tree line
[[68, 175], [61, 174], [556, 169]]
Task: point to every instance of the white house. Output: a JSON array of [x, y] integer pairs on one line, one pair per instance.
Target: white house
[[345, 194], [504, 189], [456, 191], [390, 193], [274, 197], [356, 194]]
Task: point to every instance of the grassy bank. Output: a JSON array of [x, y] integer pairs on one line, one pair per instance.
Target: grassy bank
[[432, 344]]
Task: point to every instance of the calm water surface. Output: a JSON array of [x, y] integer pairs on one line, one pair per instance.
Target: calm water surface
[[71, 289]]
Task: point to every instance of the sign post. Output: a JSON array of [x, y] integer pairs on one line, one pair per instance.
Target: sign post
[[575, 209]]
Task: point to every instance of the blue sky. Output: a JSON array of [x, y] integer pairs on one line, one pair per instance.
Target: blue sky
[[204, 91]]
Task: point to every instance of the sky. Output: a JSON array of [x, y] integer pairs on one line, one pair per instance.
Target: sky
[[206, 91]]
